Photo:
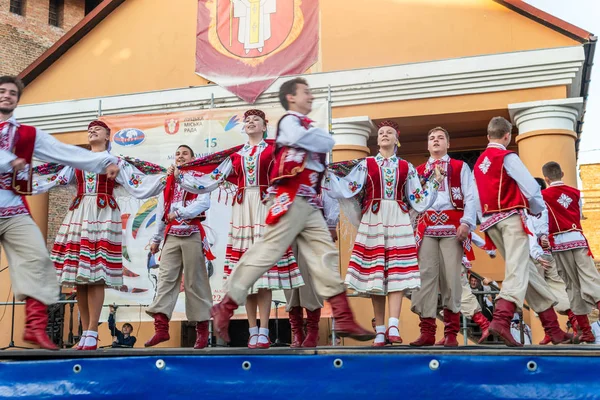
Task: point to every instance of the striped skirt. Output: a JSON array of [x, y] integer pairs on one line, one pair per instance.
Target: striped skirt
[[87, 249], [384, 257], [246, 227]]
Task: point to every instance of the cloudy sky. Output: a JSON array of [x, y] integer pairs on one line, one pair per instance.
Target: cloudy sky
[[584, 14]]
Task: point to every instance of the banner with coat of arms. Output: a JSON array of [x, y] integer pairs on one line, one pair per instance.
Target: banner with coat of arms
[[245, 45], [154, 138]]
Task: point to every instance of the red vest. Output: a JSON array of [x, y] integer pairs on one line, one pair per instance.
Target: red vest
[[168, 194], [374, 186], [263, 168], [498, 192], [104, 191], [24, 146], [454, 182], [564, 213]]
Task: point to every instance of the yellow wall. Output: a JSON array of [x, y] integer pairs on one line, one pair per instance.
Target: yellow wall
[[590, 188], [145, 45]]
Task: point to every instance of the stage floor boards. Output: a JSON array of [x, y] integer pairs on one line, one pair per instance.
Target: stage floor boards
[[399, 350]]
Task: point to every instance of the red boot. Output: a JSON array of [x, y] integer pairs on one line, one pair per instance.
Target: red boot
[[587, 336], [574, 324], [546, 340], [500, 325], [161, 330], [312, 328], [201, 335], [441, 342], [345, 325], [451, 328], [550, 324], [36, 321], [484, 324], [221, 314], [427, 337], [296, 322]]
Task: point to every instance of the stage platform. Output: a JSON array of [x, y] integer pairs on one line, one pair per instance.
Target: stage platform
[[328, 373]]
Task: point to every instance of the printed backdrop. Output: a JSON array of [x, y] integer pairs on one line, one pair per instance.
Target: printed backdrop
[[155, 138]]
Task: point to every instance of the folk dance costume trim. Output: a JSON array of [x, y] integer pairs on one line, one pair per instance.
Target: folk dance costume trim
[[248, 169], [88, 245], [384, 257]]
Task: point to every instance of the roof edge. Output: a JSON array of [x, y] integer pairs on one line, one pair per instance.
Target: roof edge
[[547, 19], [68, 40]]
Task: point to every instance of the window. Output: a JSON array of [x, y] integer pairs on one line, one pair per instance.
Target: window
[[55, 12], [90, 5], [470, 157], [17, 7]]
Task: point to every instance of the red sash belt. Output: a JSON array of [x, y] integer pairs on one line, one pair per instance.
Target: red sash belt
[[489, 244], [286, 190], [440, 218], [553, 243]]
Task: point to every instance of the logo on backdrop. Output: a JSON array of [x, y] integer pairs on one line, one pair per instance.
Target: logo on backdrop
[[129, 137], [171, 126], [245, 45]]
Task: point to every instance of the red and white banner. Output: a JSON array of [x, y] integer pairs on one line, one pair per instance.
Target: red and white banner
[[245, 45]]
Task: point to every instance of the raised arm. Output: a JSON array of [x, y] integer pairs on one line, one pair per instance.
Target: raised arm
[[50, 149], [138, 184], [345, 187], [420, 197], [293, 134], [43, 182], [205, 183]]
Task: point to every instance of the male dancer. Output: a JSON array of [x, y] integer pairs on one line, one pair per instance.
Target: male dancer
[[442, 231], [31, 271], [570, 247], [305, 297], [179, 216], [295, 216], [505, 190]]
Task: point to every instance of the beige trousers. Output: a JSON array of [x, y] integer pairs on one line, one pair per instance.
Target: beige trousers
[[557, 286], [304, 296], [521, 278], [581, 278], [440, 265], [304, 224], [32, 273], [469, 305], [183, 255]]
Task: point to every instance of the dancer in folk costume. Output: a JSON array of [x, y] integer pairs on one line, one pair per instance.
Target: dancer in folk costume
[[384, 257], [469, 306], [443, 236], [505, 191], [570, 248], [247, 167], [546, 266], [305, 297], [87, 251], [179, 226], [294, 215], [32, 276]]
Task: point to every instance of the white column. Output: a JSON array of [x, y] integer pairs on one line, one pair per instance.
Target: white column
[[352, 130], [547, 133]]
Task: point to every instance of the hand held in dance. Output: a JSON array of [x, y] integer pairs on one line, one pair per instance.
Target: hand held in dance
[[172, 216], [154, 248], [544, 242], [462, 232], [334, 235], [112, 171], [18, 164], [171, 169], [544, 263]]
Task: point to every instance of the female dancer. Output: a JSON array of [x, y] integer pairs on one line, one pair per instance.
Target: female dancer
[[87, 250], [384, 258], [247, 166]]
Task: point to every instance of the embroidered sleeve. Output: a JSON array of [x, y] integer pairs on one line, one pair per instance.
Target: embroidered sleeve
[[419, 197], [138, 184], [46, 177], [345, 187], [193, 208], [205, 183]]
